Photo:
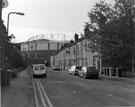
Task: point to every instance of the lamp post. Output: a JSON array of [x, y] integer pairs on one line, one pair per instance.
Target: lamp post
[[17, 13], [6, 42], [7, 30]]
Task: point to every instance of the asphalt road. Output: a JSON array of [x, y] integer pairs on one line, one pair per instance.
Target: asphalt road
[[66, 90]]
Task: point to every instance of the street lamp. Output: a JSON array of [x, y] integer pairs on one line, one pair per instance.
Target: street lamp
[[6, 45], [17, 13]]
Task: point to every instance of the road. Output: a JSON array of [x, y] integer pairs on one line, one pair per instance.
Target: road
[[65, 90]]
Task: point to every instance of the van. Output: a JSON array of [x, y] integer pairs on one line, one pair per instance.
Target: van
[[39, 70]]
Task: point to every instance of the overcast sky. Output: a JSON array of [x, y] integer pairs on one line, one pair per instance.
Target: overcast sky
[[47, 17]]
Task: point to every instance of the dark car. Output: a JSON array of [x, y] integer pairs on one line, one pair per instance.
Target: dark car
[[87, 72]]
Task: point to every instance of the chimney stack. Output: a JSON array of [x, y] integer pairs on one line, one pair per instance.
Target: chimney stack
[[76, 36]]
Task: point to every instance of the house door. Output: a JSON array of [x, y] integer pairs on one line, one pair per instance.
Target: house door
[[96, 63]]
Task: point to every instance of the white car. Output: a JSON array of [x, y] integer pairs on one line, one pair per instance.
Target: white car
[[39, 69], [72, 70]]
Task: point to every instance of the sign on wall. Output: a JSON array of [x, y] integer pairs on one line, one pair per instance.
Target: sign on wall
[[31, 46]]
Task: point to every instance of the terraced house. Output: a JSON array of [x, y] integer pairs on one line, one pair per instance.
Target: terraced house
[[77, 53]]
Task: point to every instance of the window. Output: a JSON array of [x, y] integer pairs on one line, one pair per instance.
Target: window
[[89, 45], [42, 68], [36, 67], [74, 50], [86, 46], [78, 48], [68, 51], [86, 63]]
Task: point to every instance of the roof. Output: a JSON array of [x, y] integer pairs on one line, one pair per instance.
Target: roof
[[74, 43]]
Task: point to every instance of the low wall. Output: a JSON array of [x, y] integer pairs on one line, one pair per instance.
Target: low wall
[[5, 77]]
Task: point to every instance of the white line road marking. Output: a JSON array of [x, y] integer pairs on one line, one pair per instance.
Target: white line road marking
[[35, 94], [57, 82], [48, 101], [40, 92], [83, 85], [121, 99]]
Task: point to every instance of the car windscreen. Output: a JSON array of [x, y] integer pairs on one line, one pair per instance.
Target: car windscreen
[[78, 67]]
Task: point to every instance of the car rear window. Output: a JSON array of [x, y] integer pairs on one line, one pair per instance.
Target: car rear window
[[91, 68], [42, 67], [36, 67]]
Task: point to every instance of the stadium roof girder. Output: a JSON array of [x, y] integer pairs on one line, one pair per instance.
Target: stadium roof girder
[[43, 37]]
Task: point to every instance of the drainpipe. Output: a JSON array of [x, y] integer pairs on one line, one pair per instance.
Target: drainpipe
[[76, 53], [100, 66], [82, 52]]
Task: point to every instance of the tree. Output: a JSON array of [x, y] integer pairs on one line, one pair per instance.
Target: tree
[[113, 25], [14, 58], [117, 42], [100, 15], [13, 55]]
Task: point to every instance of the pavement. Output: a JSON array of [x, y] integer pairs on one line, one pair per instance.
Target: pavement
[[125, 80], [20, 92]]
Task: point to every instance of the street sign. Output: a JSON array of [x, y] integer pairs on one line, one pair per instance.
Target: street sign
[[5, 4]]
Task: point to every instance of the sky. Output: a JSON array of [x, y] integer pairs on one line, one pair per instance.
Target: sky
[[47, 17]]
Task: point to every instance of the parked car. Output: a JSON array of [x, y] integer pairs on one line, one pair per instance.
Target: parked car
[[87, 72], [39, 69], [71, 70], [78, 68], [74, 70], [56, 68]]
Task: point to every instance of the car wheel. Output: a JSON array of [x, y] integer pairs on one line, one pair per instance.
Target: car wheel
[[85, 76], [44, 75], [33, 76], [96, 77]]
